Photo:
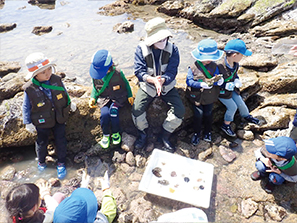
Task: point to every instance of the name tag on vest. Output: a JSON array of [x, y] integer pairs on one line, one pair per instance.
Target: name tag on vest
[[59, 96], [117, 87]]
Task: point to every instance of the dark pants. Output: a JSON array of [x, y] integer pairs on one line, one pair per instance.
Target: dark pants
[[60, 142], [107, 118], [203, 114]]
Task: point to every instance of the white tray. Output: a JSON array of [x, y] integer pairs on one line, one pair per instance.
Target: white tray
[[196, 191]]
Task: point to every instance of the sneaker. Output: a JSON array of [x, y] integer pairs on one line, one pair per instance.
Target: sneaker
[[105, 142], [116, 138], [256, 176], [207, 137], [41, 166], [61, 170], [251, 119], [195, 139], [227, 129], [269, 188]]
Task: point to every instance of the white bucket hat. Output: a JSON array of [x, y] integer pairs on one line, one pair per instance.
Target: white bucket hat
[[156, 30], [35, 63]]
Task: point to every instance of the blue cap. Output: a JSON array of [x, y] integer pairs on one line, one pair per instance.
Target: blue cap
[[81, 207], [238, 46], [207, 50], [100, 64], [282, 146]]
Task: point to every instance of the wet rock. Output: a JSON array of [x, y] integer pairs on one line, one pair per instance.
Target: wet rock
[[54, 182], [7, 173], [248, 207], [42, 1], [40, 30], [227, 153], [7, 27], [127, 168], [113, 9], [80, 157], [244, 134], [130, 159], [9, 67], [276, 213], [124, 27], [203, 155], [128, 142], [140, 161], [118, 157]]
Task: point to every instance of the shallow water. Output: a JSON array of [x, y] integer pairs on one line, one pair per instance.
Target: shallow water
[[78, 32]]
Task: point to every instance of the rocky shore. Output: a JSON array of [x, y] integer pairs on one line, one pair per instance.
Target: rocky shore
[[269, 89]]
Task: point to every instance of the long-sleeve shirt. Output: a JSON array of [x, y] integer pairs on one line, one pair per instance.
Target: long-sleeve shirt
[[140, 65]]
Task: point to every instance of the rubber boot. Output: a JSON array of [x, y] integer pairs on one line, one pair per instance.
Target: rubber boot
[[165, 139], [141, 140]]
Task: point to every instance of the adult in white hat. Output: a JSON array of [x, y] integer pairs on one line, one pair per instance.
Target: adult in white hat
[[156, 65], [46, 107]]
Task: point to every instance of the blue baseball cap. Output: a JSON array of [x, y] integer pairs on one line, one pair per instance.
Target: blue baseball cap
[[238, 46], [81, 207], [282, 146], [100, 64], [207, 50]]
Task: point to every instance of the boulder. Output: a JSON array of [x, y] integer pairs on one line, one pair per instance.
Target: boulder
[[9, 67]]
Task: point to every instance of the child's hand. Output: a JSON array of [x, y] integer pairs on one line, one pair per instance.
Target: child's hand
[[274, 169], [131, 100], [92, 103], [230, 86], [30, 128], [44, 189], [237, 83]]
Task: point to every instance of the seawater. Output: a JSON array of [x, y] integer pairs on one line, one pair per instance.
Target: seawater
[[78, 32]]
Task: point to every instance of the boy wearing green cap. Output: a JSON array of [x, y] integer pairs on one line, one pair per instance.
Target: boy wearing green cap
[[111, 91]]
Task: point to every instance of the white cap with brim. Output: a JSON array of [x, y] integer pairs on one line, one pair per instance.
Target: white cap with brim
[[37, 62], [156, 30], [207, 50]]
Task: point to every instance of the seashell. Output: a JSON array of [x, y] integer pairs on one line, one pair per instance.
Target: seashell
[[163, 182], [156, 171], [173, 174], [187, 179]]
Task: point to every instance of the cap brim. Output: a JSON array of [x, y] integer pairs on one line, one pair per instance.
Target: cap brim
[[207, 57], [248, 53], [96, 74], [162, 34], [33, 74]]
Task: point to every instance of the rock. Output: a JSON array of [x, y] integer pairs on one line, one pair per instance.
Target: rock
[[203, 155], [127, 168], [7, 173], [130, 159], [9, 67], [276, 213], [124, 27], [7, 27], [140, 161], [54, 182], [227, 154], [150, 147], [5, 187], [244, 134], [40, 30], [115, 8], [10, 88], [171, 8], [42, 1], [118, 157], [128, 142], [248, 207]]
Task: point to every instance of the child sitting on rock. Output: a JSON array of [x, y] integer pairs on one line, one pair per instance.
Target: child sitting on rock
[[23, 203], [111, 91], [276, 160], [203, 82], [46, 108], [230, 94]]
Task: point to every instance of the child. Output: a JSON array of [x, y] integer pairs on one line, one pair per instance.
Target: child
[[230, 94], [82, 206], [23, 203], [276, 160], [46, 107], [113, 90], [203, 86]]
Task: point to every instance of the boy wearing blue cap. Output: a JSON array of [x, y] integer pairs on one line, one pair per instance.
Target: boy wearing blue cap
[[111, 91], [276, 160], [203, 82], [230, 94]]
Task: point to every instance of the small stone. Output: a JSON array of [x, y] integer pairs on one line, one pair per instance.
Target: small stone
[[245, 134], [276, 213], [118, 158], [130, 159], [128, 142], [227, 154], [140, 161], [203, 155], [248, 207], [40, 30]]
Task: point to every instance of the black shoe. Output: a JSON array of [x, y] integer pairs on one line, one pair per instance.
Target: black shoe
[[227, 129], [269, 188], [256, 176], [195, 139], [141, 140], [165, 139], [251, 119], [207, 137]]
